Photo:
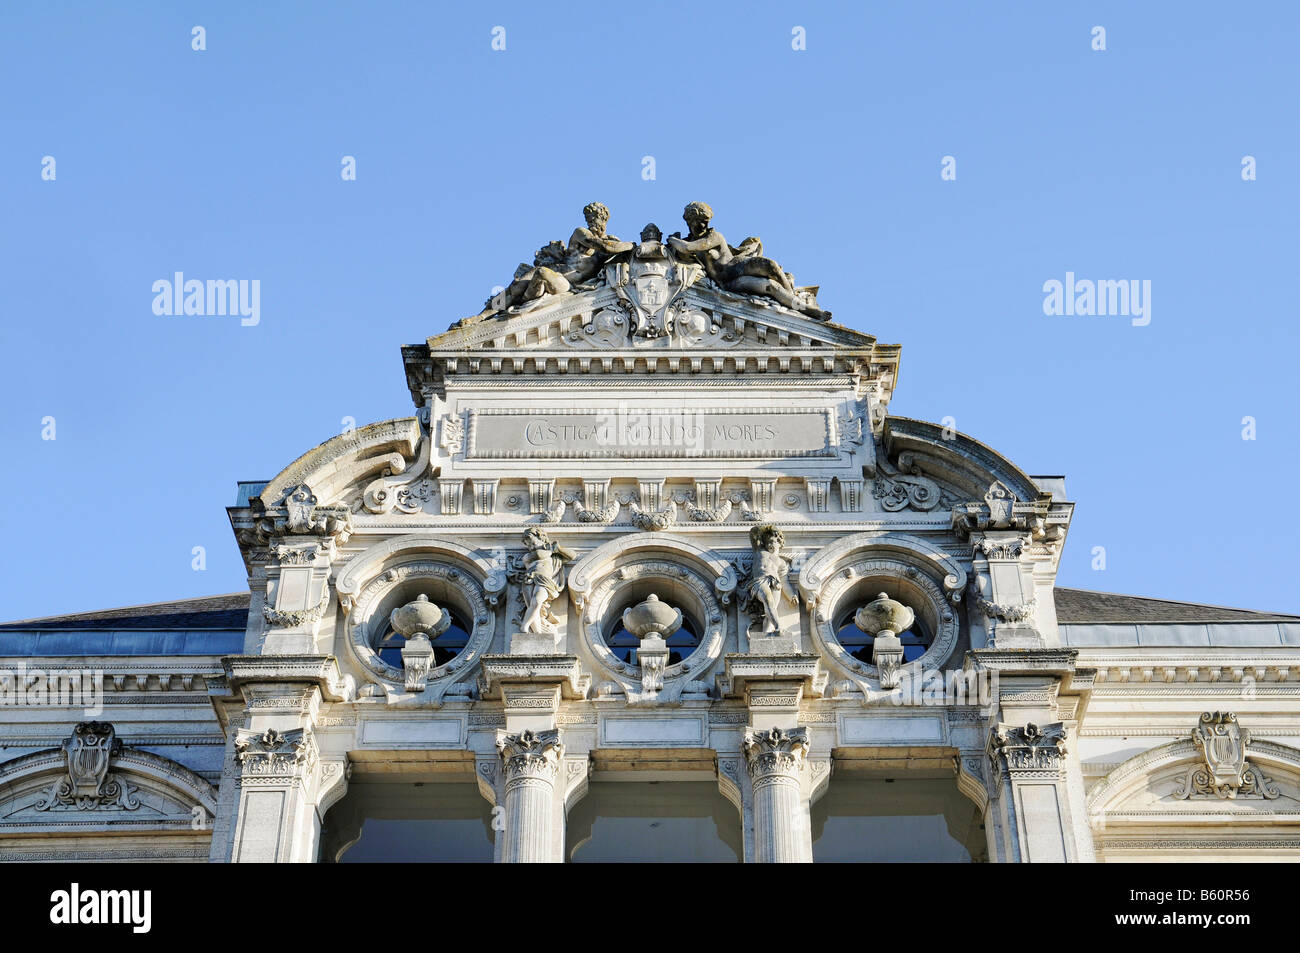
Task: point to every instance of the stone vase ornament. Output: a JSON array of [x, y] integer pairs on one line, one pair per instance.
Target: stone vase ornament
[[653, 622], [420, 622], [883, 619]]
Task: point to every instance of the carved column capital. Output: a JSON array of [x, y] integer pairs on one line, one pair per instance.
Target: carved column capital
[[530, 755], [775, 753], [999, 546], [1029, 751], [273, 755]]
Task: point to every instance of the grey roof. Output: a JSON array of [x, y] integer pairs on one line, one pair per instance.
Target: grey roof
[[1081, 606], [228, 611]]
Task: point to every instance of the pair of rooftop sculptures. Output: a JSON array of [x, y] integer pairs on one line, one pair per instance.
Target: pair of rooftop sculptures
[[558, 268]]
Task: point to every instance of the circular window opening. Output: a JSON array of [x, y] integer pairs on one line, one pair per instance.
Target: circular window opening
[[916, 639], [624, 644], [445, 648]]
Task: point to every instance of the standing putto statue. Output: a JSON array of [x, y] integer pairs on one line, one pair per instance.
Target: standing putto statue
[[769, 579], [540, 574]]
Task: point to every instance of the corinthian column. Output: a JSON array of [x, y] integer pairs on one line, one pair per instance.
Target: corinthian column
[[531, 763], [782, 831]]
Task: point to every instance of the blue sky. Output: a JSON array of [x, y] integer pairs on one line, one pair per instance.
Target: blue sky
[[1116, 164]]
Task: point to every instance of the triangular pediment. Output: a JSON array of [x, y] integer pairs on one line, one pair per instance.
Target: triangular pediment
[[611, 318]]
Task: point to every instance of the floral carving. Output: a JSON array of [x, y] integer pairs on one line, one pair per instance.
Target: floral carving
[[1032, 748], [655, 520], [591, 514], [274, 753], [299, 514], [774, 751], [288, 618], [1022, 612], [530, 754], [452, 438]]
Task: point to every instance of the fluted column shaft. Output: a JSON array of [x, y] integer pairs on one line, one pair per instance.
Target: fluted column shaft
[[782, 830], [531, 762]]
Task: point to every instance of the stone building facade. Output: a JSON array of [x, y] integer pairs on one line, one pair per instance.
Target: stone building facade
[[652, 572]]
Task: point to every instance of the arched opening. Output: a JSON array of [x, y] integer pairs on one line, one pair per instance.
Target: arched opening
[[882, 820], [409, 822], [653, 822]]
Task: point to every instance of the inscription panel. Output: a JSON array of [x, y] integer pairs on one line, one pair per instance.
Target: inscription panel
[[758, 432], [642, 732], [892, 729]]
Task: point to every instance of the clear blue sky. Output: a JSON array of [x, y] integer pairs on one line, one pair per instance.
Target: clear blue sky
[[1122, 164]]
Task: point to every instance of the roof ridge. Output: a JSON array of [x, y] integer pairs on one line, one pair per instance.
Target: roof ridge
[[144, 605]]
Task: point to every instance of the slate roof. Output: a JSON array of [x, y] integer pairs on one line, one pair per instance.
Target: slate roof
[[1082, 606], [228, 611]]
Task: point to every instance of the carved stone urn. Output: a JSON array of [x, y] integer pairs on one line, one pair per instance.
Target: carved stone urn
[[652, 618], [420, 622], [883, 619], [652, 621]]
